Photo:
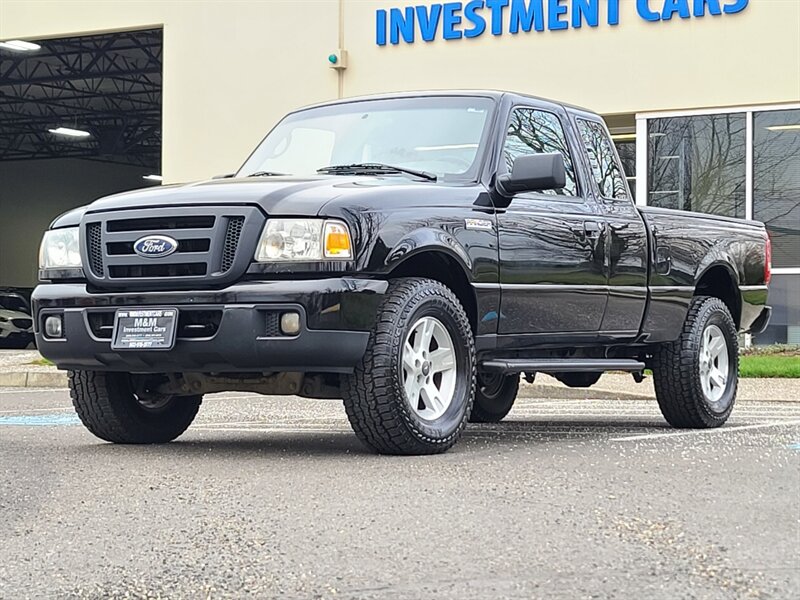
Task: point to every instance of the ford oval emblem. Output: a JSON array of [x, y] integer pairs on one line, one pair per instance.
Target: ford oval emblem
[[155, 246]]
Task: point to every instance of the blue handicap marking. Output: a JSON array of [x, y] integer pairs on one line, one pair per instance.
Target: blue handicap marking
[[795, 446], [48, 420]]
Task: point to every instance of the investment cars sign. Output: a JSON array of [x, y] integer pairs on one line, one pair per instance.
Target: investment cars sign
[[456, 20]]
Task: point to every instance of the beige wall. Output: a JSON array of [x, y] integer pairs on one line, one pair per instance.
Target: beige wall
[[231, 69], [34, 192]]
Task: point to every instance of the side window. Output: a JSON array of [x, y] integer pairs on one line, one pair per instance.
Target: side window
[[538, 132], [605, 170]]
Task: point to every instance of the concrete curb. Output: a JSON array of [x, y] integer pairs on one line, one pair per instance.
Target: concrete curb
[[33, 379]]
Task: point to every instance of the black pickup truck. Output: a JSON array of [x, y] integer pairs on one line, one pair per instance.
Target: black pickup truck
[[412, 254]]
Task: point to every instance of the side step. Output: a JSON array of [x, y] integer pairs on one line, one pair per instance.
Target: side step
[[564, 365]]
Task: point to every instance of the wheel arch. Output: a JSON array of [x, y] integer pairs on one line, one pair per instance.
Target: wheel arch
[[442, 265], [719, 280]]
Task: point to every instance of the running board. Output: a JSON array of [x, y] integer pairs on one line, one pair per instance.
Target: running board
[[564, 365]]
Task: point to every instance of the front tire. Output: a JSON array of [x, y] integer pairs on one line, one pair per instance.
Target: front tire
[[412, 392], [696, 376], [109, 408], [494, 397]]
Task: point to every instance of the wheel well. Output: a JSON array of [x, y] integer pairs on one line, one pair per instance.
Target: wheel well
[[446, 270], [719, 283]]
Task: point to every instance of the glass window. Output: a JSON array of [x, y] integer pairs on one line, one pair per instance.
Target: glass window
[[784, 325], [439, 134], [698, 163], [627, 156], [605, 170], [776, 182], [538, 132]]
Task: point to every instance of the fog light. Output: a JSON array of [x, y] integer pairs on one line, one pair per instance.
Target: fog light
[[290, 323], [53, 327]]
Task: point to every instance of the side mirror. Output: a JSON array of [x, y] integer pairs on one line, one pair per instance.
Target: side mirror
[[534, 173]]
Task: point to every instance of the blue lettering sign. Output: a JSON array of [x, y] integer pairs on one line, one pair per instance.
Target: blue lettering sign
[[474, 18], [471, 15], [526, 14], [585, 10], [428, 20]]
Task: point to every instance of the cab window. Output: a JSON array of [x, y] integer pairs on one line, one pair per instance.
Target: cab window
[[605, 169], [533, 131]]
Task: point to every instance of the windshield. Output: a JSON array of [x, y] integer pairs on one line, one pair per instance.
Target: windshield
[[439, 135]]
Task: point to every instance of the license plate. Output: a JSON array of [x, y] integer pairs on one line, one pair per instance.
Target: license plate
[[145, 329]]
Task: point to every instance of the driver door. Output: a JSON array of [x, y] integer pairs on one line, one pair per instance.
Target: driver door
[[552, 276]]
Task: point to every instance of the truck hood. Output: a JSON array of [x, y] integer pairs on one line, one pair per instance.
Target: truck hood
[[276, 196]]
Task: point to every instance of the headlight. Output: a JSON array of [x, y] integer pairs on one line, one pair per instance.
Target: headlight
[[60, 249], [302, 240]]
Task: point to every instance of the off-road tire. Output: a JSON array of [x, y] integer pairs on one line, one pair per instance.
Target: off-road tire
[[374, 396], [676, 369], [110, 410], [493, 402]]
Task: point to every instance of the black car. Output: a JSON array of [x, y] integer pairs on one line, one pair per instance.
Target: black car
[[411, 254]]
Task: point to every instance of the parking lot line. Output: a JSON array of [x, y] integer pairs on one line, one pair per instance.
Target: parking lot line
[[651, 436]]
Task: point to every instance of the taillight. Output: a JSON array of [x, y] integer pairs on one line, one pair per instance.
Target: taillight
[[768, 260]]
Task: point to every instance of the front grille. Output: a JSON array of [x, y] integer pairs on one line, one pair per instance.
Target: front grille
[[209, 245], [161, 223], [192, 324], [232, 235], [272, 327], [94, 234], [139, 271]]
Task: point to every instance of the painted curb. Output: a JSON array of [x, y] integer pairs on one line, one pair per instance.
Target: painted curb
[[33, 379]]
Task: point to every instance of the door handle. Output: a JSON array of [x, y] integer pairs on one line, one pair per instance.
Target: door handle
[[593, 229]]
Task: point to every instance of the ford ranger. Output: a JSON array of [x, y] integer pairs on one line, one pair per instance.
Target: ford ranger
[[411, 254]]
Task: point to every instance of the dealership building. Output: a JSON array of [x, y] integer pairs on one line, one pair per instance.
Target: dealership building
[[702, 96]]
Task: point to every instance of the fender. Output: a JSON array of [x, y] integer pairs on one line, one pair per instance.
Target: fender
[[428, 239]]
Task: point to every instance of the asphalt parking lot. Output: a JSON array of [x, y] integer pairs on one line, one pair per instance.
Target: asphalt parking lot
[[269, 497]]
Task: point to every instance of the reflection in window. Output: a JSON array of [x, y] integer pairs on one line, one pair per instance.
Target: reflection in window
[[784, 325], [776, 181], [627, 156], [605, 170], [538, 132], [698, 163]]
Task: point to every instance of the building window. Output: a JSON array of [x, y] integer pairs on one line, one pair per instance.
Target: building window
[[605, 170], [627, 156], [784, 325], [698, 163], [538, 132], [776, 182]]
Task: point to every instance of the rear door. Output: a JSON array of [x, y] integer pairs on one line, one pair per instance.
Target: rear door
[[552, 278], [626, 239]]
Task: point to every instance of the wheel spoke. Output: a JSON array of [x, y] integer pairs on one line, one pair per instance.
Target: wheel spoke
[[409, 356], [426, 334], [431, 398], [412, 390], [442, 359], [717, 378]]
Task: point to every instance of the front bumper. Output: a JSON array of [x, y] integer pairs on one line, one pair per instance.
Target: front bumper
[[219, 331]]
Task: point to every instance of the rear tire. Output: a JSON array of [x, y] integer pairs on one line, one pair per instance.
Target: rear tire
[[109, 408], [494, 397], [696, 376], [403, 398]]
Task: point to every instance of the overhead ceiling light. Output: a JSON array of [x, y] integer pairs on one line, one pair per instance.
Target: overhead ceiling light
[[69, 132], [153, 177], [623, 136], [20, 46], [784, 127]]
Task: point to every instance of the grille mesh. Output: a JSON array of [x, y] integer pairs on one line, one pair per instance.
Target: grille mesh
[[94, 242], [272, 327], [232, 235]]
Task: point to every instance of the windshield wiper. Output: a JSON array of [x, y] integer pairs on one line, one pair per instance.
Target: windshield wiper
[[365, 168], [266, 174]]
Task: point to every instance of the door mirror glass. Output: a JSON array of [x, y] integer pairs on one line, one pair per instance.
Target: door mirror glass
[[534, 173]]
